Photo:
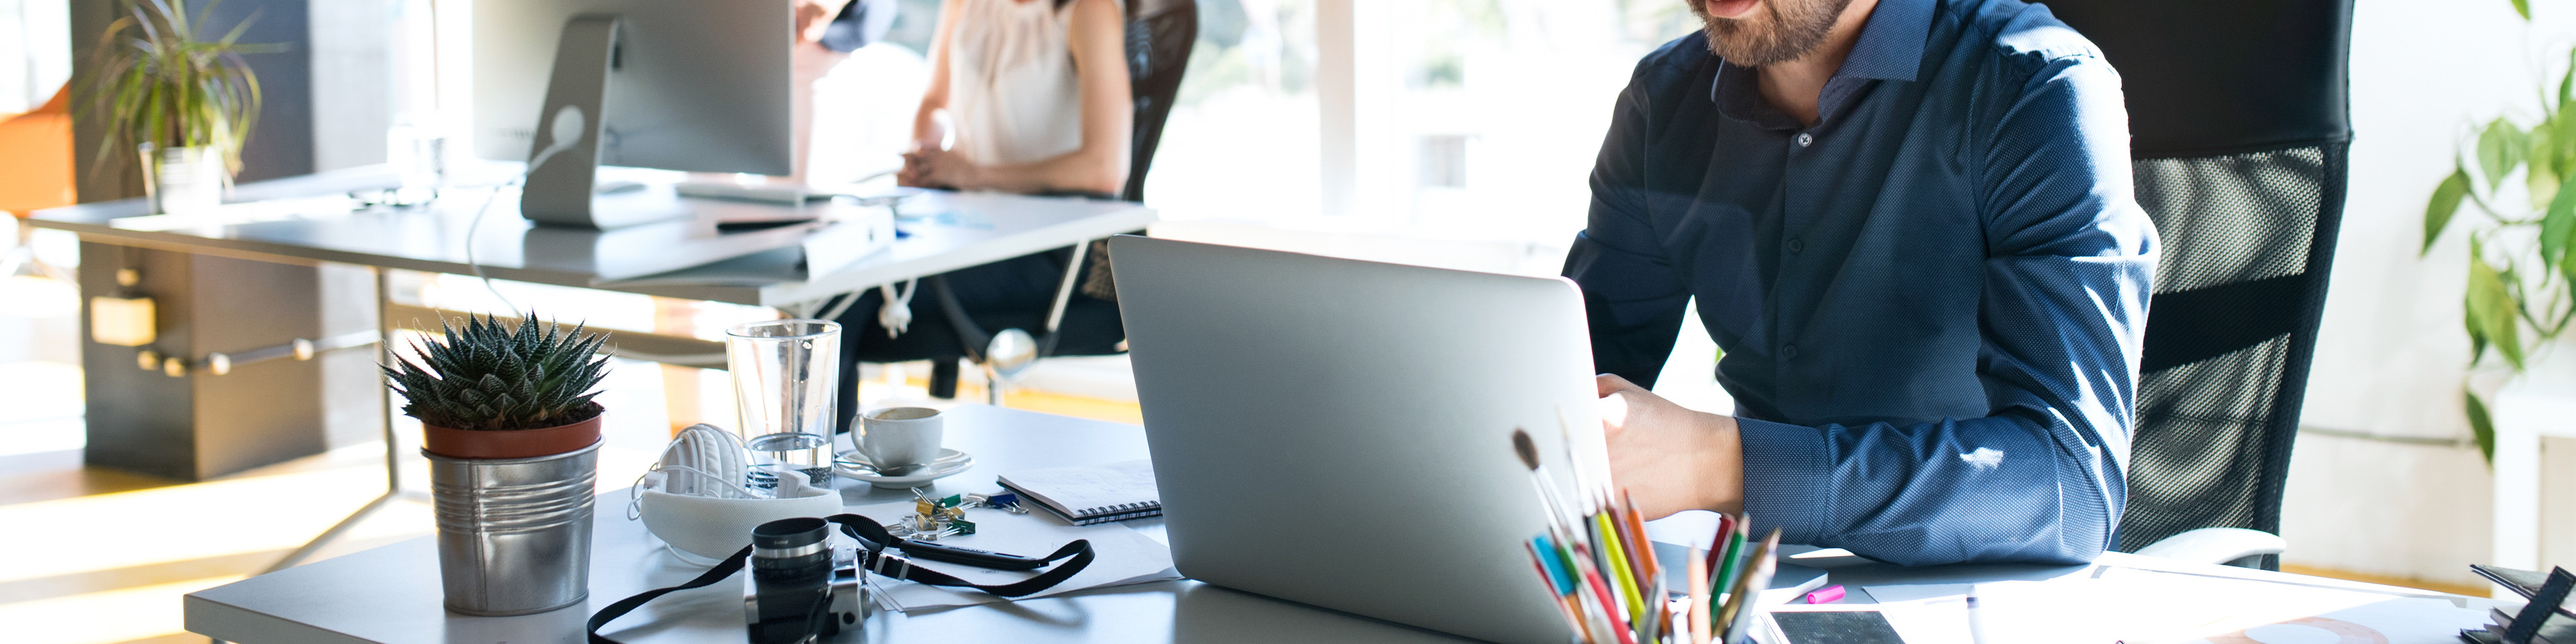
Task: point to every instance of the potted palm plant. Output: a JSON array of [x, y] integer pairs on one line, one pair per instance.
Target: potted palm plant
[[184, 103], [512, 436]]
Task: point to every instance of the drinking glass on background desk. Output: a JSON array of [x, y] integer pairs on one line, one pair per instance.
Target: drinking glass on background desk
[[785, 375]]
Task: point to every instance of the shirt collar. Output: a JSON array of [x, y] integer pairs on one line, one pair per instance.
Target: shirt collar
[[1890, 46]]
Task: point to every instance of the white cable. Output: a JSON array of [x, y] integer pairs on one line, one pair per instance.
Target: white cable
[[477, 224], [896, 315], [838, 306]]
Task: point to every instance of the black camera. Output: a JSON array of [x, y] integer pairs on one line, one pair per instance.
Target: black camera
[[798, 596]]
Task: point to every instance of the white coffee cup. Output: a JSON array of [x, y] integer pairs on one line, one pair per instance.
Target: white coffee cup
[[898, 440]]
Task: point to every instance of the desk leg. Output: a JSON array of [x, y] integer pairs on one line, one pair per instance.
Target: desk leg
[[2517, 490], [393, 450]]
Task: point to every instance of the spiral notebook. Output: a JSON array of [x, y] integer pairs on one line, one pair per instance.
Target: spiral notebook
[[1091, 494]]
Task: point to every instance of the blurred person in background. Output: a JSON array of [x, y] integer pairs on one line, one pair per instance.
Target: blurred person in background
[[1035, 95], [1029, 97]]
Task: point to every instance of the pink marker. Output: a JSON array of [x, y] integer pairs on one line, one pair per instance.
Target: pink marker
[[1826, 595]]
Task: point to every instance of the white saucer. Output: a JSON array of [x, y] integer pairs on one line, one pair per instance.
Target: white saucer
[[855, 465]]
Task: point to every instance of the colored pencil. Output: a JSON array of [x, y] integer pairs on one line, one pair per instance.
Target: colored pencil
[[1737, 615], [1614, 564], [1697, 624], [1556, 589], [1601, 591]]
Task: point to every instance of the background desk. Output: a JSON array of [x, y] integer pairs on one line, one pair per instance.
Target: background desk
[[391, 594], [954, 231], [237, 288]]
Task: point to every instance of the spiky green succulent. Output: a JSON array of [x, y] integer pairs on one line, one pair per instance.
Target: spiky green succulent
[[486, 376]]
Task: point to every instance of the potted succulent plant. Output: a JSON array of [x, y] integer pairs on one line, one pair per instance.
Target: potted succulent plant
[[185, 104], [512, 437]]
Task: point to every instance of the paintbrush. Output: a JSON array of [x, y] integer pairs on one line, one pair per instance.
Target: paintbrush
[[1558, 521]]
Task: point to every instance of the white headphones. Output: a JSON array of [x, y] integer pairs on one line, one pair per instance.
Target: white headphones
[[696, 502], [705, 461]]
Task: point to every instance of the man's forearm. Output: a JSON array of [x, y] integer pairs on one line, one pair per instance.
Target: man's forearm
[[1999, 488]]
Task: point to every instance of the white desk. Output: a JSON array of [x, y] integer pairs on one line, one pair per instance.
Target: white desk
[[391, 594], [2543, 403], [684, 257]]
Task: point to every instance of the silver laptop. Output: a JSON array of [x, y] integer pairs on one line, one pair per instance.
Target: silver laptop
[[1338, 432]]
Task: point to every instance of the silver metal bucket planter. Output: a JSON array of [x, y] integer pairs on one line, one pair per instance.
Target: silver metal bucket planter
[[514, 533]]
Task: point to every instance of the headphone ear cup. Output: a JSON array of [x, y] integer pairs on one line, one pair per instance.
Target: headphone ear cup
[[705, 461]]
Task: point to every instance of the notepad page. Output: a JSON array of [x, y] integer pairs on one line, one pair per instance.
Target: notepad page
[[1090, 490]]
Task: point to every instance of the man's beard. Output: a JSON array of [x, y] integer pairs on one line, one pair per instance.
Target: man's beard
[[1777, 31]]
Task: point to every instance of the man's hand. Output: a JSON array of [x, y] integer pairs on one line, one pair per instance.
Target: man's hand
[[1670, 458]]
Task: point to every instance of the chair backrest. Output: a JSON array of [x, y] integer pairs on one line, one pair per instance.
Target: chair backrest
[[2239, 129], [1160, 34], [38, 147]]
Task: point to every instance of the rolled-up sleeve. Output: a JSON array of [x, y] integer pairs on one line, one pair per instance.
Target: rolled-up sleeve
[[2070, 268]]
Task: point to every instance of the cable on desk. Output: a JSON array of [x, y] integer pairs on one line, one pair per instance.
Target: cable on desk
[[477, 224]]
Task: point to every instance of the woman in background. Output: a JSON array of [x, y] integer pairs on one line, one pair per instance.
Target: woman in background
[[1036, 95], [1036, 101]]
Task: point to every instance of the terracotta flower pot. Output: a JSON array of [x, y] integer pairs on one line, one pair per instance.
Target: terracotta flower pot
[[522, 443]]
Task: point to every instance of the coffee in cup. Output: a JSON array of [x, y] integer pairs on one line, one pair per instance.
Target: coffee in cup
[[900, 440]]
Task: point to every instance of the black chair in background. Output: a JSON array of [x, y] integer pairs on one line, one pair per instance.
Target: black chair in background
[[1160, 34], [2239, 124], [1159, 37]]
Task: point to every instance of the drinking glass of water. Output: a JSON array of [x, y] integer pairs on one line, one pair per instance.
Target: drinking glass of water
[[786, 374]]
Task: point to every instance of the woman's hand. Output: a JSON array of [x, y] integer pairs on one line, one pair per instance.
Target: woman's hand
[[815, 16], [931, 167]]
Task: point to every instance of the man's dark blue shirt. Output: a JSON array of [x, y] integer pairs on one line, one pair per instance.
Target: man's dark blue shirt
[[1931, 302]]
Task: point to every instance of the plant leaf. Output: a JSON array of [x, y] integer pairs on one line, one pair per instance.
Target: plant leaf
[[2500, 148], [2523, 8], [2542, 160], [2446, 202], [2481, 426], [2491, 309], [2555, 226]]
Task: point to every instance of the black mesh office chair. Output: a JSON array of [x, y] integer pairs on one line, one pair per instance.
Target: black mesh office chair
[[2239, 132], [1160, 35]]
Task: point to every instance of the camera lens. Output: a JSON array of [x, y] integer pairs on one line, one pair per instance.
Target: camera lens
[[791, 574], [787, 534]]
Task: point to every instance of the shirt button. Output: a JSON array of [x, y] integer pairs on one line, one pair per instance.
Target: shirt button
[[1797, 245], [1805, 139], [1789, 352]]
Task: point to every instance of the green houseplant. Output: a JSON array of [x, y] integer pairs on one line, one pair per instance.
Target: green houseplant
[[511, 432], [184, 103], [488, 391], [2519, 266]]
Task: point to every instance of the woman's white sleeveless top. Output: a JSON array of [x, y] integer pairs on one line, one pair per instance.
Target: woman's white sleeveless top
[[1012, 93]]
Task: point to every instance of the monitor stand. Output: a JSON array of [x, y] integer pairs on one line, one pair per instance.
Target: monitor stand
[[563, 166]]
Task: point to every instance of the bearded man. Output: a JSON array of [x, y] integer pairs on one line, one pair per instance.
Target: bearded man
[[1910, 228]]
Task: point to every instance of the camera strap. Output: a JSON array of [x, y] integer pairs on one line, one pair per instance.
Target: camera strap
[[872, 558], [722, 570], [1076, 555]]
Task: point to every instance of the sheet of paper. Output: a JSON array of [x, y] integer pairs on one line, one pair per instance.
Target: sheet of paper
[[1122, 556], [2143, 607]]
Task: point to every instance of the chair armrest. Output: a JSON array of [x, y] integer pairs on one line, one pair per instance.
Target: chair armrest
[[2216, 545]]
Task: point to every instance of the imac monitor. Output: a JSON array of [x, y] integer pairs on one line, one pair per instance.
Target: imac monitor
[[569, 85]]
